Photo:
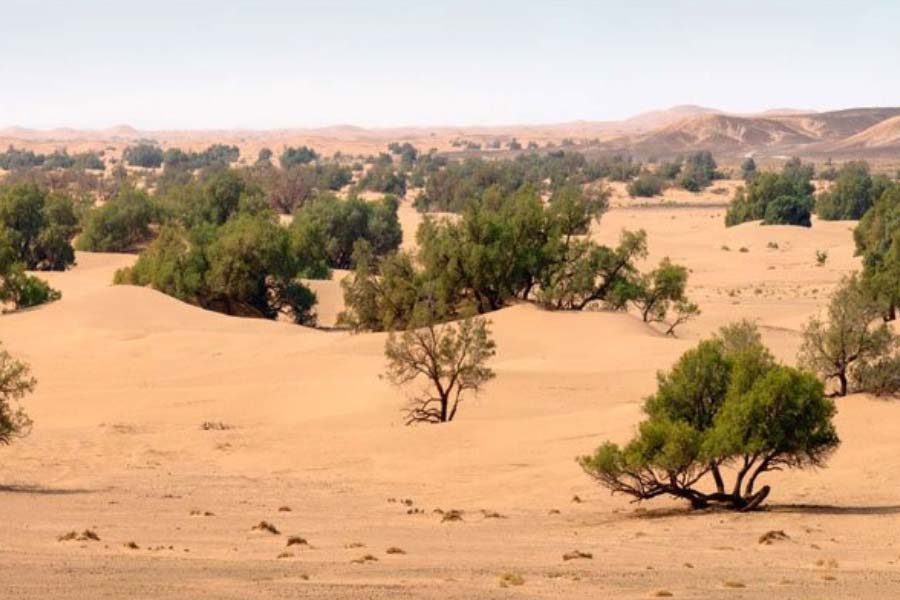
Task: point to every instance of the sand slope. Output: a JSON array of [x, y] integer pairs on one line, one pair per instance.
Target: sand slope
[[128, 375]]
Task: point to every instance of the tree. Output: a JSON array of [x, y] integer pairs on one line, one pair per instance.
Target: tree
[[850, 195], [790, 191], [645, 185], [16, 382], [333, 226], [725, 406], [291, 157], [748, 169], [148, 156], [833, 348], [788, 210], [264, 156], [120, 224], [877, 239], [39, 226], [246, 267], [451, 358], [662, 291]]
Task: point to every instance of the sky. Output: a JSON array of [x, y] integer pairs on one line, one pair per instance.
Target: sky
[[161, 64]]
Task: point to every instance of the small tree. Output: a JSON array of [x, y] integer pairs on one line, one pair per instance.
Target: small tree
[[15, 383], [725, 406], [659, 289], [451, 357], [831, 347]]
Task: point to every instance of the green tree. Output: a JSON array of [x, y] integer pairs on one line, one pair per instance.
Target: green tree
[[877, 239], [850, 195], [292, 157], [790, 191], [16, 382], [645, 185], [120, 224], [662, 291], [835, 346], [725, 404], [39, 226], [748, 169], [148, 156]]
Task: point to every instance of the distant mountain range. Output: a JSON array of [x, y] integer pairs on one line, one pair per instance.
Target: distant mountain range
[[861, 132], [850, 133]]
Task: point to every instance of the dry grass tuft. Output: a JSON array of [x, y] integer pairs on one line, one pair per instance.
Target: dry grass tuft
[[266, 526], [770, 537], [511, 579], [296, 540], [576, 555], [85, 536], [395, 550]]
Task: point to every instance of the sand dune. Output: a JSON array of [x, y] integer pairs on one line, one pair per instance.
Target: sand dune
[[127, 377]]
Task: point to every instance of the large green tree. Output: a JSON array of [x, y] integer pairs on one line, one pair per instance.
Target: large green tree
[[725, 412]]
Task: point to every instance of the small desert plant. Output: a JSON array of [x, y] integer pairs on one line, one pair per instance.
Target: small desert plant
[[821, 257], [511, 579], [266, 526], [772, 245]]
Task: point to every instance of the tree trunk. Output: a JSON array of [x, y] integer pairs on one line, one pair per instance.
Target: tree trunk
[[842, 378]]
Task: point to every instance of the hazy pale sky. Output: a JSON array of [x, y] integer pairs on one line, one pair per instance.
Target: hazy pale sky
[[161, 64]]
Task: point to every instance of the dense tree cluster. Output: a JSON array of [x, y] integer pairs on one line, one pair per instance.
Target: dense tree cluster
[[121, 224], [852, 193], [14, 159], [878, 242], [726, 409], [783, 198], [291, 157], [216, 155], [508, 246], [38, 226], [327, 229], [145, 155]]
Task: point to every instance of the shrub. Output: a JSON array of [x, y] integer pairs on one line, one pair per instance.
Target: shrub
[[292, 157], [120, 224], [645, 185], [748, 169], [724, 403], [16, 382], [147, 156]]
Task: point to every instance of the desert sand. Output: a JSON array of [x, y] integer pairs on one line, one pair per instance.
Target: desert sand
[[127, 376]]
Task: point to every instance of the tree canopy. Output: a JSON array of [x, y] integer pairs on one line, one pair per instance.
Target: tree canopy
[[726, 407]]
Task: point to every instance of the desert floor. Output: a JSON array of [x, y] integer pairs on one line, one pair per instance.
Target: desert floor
[[127, 376]]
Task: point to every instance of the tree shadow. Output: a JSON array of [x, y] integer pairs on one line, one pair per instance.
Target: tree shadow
[[39, 490], [830, 509]]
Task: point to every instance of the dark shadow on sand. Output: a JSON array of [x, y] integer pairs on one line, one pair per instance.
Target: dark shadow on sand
[[832, 509], [40, 490]]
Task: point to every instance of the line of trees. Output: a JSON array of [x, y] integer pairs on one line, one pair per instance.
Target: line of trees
[[509, 247]]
